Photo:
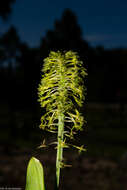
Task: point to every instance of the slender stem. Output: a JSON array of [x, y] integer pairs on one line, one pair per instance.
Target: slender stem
[[60, 136], [59, 147]]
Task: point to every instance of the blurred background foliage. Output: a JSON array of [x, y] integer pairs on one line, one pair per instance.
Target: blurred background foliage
[[106, 101]]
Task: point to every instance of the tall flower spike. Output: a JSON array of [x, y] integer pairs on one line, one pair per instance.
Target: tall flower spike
[[62, 92]]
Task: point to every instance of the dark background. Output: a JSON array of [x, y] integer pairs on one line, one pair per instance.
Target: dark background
[[104, 53]]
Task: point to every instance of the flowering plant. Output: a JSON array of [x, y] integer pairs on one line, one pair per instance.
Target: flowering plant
[[61, 92]]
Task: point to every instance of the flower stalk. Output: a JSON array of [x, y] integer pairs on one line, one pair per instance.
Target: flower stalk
[[61, 93], [60, 139]]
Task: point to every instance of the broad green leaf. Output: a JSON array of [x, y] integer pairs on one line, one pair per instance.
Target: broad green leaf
[[35, 175]]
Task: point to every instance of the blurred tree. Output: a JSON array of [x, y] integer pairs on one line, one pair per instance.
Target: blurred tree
[[30, 65], [12, 81], [9, 46], [5, 8], [9, 60], [10, 53], [2, 54], [67, 35]]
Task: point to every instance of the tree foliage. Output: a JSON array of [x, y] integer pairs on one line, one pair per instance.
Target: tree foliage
[[5, 8], [66, 35]]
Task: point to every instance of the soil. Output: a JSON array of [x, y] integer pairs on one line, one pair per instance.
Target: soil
[[89, 173]]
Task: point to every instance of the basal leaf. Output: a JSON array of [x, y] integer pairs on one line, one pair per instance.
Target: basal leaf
[[35, 175]]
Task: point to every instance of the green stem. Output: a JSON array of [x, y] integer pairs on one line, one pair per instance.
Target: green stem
[[60, 137]]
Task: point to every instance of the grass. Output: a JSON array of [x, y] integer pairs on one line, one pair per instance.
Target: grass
[[106, 135]]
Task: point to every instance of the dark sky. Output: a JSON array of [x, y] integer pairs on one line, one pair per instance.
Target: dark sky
[[103, 22]]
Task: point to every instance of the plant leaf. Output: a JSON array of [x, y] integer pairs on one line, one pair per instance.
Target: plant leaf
[[35, 175]]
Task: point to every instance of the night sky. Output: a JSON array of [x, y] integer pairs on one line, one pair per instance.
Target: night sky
[[103, 22]]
